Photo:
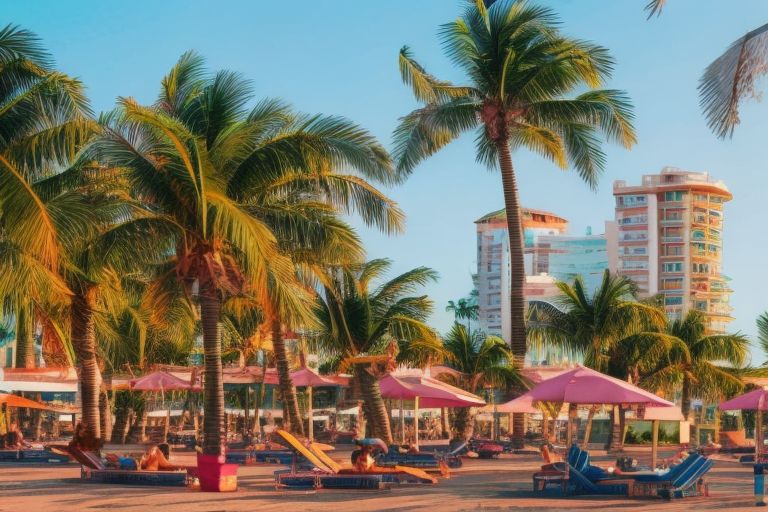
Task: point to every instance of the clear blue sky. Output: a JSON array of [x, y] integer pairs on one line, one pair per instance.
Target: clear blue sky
[[340, 58]]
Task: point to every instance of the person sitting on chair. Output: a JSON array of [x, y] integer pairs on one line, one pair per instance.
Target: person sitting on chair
[[364, 461]]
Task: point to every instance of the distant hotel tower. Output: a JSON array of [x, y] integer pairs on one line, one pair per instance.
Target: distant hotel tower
[[668, 239]]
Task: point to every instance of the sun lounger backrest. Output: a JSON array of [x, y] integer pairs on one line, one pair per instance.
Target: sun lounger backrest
[[459, 448], [581, 480], [295, 445], [88, 459], [676, 471], [324, 458], [693, 473]]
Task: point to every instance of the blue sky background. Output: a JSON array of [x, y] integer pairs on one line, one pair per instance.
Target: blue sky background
[[340, 58]]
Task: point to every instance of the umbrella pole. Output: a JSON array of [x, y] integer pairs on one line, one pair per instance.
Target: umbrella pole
[[758, 435], [310, 414], [416, 422], [654, 442], [402, 422], [247, 409]]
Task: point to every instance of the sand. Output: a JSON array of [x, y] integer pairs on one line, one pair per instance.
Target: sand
[[491, 485]]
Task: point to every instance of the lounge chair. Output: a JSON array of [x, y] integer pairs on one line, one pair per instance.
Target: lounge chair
[[94, 470], [32, 456], [327, 473], [428, 461], [680, 481], [575, 475]]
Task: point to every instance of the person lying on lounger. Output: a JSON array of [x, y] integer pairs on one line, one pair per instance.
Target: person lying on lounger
[[14, 439], [154, 460]]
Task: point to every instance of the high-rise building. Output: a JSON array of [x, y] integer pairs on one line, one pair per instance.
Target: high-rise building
[[550, 256], [668, 235], [491, 280]]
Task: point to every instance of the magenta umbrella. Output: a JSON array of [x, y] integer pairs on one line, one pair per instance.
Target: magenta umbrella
[[427, 392], [585, 386], [308, 378], [756, 400], [521, 404], [161, 381]]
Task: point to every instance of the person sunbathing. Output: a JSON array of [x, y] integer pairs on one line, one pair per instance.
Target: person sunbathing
[[14, 439], [154, 460]]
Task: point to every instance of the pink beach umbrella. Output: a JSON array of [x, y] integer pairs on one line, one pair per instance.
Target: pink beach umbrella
[[308, 378], [756, 400], [426, 392], [161, 381], [585, 386], [521, 404]]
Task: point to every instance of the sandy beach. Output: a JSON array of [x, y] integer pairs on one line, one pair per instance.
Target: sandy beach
[[480, 485]]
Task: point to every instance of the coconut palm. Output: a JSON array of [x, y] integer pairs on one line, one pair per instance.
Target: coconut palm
[[464, 309], [693, 366], [762, 332], [43, 121], [483, 361], [730, 78], [208, 164], [611, 331], [521, 72], [363, 315]]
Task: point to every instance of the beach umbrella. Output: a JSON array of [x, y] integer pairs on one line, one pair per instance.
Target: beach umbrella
[[589, 387], [161, 381], [306, 377], [21, 402], [425, 391], [756, 400]]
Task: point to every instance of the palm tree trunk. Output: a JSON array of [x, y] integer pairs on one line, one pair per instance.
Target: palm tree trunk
[[214, 429], [262, 390], [105, 414], [517, 338], [287, 389], [375, 408], [25, 340], [588, 429], [120, 428], [685, 405], [84, 341], [464, 424]]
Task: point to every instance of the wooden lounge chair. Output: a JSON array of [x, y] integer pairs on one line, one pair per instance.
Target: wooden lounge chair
[[94, 470], [328, 473]]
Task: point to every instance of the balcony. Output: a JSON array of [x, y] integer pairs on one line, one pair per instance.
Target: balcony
[[671, 239]]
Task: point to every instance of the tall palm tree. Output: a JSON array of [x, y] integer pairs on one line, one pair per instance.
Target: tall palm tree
[[729, 79], [362, 315], [762, 332], [483, 361], [610, 330], [209, 165], [43, 122], [693, 367], [522, 72], [464, 309]]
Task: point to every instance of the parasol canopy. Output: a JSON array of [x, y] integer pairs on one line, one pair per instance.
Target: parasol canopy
[[585, 386], [161, 381], [431, 392], [305, 376], [756, 400], [20, 401], [521, 404]]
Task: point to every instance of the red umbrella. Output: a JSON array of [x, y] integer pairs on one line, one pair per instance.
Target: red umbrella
[[161, 381]]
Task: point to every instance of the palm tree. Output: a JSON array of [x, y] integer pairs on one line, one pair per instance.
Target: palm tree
[[762, 332], [610, 330], [43, 122], [359, 318], [521, 71], [692, 365], [209, 166], [464, 309], [730, 78], [483, 361]]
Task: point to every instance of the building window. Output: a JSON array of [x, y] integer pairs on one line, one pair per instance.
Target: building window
[[634, 265], [673, 266], [672, 284], [674, 196], [494, 299], [673, 301], [700, 268]]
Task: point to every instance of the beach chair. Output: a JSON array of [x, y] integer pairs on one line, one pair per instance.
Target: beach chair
[[327, 473], [93, 470], [423, 460], [32, 456], [689, 483]]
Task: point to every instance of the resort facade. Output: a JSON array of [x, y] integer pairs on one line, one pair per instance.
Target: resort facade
[[668, 239], [550, 256]]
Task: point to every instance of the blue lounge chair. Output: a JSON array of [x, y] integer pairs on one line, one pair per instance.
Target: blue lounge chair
[[578, 483], [434, 461], [30, 456], [688, 483]]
